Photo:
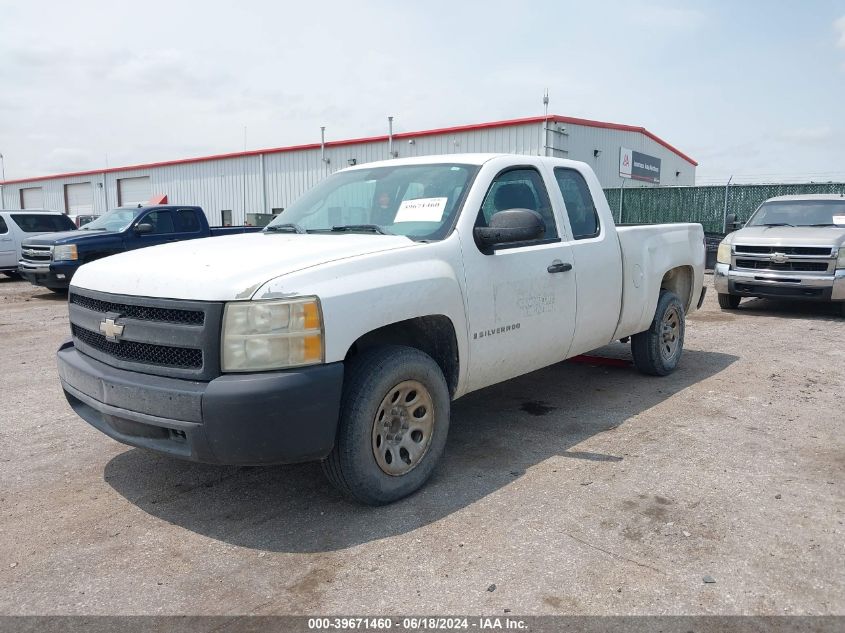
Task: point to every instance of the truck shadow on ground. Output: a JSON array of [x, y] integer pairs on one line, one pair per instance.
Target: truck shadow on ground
[[496, 434]]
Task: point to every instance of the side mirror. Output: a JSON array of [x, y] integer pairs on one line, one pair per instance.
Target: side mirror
[[506, 227], [140, 229], [730, 223]]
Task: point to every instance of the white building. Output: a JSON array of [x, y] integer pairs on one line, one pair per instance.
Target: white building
[[240, 187]]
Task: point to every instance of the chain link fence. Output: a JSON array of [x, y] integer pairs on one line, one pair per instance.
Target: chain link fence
[[705, 205]]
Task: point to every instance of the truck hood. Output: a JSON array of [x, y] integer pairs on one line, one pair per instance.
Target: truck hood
[[224, 268], [66, 237], [789, 236]]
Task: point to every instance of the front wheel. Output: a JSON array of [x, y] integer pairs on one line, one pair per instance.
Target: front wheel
[[657, 351], [393, 424], [729, 302]]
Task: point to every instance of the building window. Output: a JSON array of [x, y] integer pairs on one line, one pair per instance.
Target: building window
[[277, 211], [226, 214]]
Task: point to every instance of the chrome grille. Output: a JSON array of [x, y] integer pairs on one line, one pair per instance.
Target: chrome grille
[[36, 254], [786, 250]]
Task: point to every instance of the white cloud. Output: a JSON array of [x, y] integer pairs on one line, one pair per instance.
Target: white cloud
[[839, 26]]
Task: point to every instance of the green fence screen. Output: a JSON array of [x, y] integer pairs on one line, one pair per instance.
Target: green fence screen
[[702, 204]]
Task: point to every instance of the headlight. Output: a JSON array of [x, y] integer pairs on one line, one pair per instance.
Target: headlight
[[723, 255], [65, 253], [261, 335], [840, 261]]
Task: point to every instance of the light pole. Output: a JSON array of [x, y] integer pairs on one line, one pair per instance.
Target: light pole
[[2, 179]]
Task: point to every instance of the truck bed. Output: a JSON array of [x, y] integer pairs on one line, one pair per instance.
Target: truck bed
[[648, 252]]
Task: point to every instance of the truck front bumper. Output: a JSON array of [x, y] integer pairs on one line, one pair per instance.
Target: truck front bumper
[[247, 419], [56, 275], [779, 285]]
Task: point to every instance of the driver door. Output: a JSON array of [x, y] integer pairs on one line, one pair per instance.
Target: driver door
[[163, 230], [521, 296]]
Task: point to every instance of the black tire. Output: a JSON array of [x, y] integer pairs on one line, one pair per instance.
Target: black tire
[[654, 354], [371, 376], [729, 302], [12, 274]]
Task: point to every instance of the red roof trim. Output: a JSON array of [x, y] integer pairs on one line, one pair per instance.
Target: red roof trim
[[370, 139]]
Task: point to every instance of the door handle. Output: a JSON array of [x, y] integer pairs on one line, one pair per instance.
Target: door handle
[[558, 266]]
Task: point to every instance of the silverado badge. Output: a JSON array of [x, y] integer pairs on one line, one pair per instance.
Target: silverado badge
[[111, 330]]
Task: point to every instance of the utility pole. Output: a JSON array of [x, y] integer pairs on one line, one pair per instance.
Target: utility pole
[[725, 211], [2, 179]]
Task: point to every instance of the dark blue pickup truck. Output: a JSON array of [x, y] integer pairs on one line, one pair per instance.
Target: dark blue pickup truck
[[51, 260]]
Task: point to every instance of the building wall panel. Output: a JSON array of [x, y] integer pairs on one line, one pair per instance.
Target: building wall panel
[[258, 183]]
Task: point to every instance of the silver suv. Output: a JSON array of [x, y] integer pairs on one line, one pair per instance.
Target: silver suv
[[793, 247]]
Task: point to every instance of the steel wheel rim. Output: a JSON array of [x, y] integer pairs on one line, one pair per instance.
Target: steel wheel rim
[[670, 333], [403, 427]]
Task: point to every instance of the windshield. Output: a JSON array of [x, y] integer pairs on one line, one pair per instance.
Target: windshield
[[114, 220], [800, 213], [42, 223], [418, 201]]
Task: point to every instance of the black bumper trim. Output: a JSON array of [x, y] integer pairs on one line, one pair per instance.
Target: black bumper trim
[[248, 419], [47, 280], [768, 291]]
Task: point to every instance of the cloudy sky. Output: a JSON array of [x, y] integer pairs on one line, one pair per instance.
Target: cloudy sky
[[754, 89]]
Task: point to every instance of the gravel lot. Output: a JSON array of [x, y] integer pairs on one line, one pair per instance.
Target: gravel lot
[[577, 489]]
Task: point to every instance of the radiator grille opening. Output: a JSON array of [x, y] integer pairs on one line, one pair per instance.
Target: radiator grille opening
[[785, 266], [146, 353], [141, 313]]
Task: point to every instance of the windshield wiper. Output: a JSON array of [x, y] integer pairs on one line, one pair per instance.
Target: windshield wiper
[[825, 224], [359, 228], [290, 227], [776, 224]]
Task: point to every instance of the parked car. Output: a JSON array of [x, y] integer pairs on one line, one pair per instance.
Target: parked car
[[793, 247], [17, 226], [82, 219], [52, 260], [343, 331]]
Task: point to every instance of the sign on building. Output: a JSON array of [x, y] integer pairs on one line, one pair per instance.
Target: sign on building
[[638, 166]]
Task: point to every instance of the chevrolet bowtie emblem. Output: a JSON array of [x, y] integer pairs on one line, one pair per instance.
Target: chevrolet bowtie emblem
[[779, 258], [111, 330]]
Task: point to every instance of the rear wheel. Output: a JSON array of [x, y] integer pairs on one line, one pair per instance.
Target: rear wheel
[[393, 425], [729, 302], [657, 351]]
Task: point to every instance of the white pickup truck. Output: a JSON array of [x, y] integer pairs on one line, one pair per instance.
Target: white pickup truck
[[344, 330]]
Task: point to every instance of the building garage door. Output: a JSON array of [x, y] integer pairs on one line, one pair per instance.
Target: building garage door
[[32, 198], [79, 198], [133, 191]]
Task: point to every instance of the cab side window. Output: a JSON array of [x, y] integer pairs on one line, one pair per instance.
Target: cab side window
[[162, 222], [519, 189], [3, 227], [583, 217], [187, 221]]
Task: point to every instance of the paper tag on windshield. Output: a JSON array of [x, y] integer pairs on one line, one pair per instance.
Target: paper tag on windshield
[[839, 220], [421, 210]]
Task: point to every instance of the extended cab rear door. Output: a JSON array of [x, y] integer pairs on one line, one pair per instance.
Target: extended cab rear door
[[522, 296], [597, 256]]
